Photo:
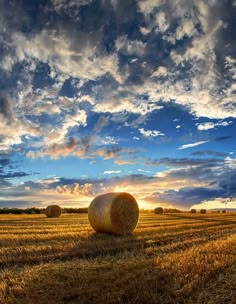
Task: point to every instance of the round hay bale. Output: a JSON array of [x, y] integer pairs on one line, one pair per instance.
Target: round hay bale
[[114, 213], [193, 211], [158, 210], [203, 211], [223, 211], [53, 211]]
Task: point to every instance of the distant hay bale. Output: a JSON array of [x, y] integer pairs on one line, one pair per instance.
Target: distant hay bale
[[158, 210], [193, 211], [223, 211], [203, 211], [116, 213], [53, 211]]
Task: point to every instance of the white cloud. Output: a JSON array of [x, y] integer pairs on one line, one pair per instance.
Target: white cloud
[[131, 104], [192, 145], [58, 134], [230, 162], [161, 71], [111, 172], [12, 128], [130, 47], [70, 6], [147, 6], [144, 171], [161, 22], [145, 30], [187, 28], [109, 140], [59, 52], [150, 133], [211, 125]]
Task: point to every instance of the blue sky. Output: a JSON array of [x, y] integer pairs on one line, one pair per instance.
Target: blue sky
[[100, 96]]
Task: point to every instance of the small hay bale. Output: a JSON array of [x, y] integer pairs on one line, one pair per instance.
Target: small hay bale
[[53, 211], [223, 211], [203, 211], [193, 211], [114, 213], [158, 210]]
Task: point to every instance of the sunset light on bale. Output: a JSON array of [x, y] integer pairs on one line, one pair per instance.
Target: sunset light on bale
[[53, 211], [116, 213]]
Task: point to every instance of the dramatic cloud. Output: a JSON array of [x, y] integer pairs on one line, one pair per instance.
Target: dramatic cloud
[[88, 87]]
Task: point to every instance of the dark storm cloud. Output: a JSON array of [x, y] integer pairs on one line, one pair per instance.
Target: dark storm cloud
[[7, 175], [4, 183], [222, 138], [220, 181], [209, 152], [186, 196], [228, 183], [101, 122], [133, 179], [5, 162], [9, 170], [6, 109], [179, 162]]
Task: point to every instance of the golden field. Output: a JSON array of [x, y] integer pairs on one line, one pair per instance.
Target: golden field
[[178, 258]]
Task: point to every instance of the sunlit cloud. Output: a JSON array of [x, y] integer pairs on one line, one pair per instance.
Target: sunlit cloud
[[186, 146]]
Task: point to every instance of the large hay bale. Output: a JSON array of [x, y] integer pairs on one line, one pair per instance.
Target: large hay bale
[[158, 210], [203, 211], [193, 211], [114, 212], [53, 211]]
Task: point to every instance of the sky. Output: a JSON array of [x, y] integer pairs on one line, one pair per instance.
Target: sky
[[118, 95]]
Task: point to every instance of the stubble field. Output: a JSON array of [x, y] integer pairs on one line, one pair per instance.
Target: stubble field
[[178, 258]]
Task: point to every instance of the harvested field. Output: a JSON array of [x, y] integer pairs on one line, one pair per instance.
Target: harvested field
[[178, 258]]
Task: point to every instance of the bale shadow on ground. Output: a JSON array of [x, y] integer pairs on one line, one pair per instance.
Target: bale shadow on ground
[[102, 268]]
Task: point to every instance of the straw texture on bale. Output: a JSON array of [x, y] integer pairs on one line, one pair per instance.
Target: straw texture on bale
[[114, 213], [158, 210], [203, 211], [53, 211], [193, 211]]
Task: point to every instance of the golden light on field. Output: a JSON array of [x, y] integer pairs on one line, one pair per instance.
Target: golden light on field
[[161, 252]]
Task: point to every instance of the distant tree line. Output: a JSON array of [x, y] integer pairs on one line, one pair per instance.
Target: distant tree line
[[172, 210], [76, 210], [32, 210], [35, 210]]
